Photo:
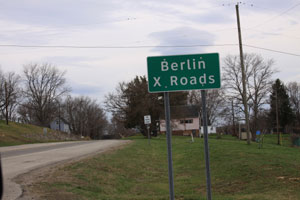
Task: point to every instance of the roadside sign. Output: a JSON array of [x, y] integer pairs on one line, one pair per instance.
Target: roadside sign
[[180, 73], [147, 119], [183, 72]]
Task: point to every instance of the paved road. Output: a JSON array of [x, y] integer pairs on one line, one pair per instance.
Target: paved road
[[22, 159]]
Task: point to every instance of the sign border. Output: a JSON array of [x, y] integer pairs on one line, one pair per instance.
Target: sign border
[[214, 88]]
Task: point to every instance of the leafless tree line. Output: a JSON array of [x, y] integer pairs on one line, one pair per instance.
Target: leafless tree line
[[224, 106], [293, 89], [259, 74], [259, 80], [85, 117], [41, 95]]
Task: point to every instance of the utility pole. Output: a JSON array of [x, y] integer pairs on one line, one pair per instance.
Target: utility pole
[[277, 119], [199, 116], [148, 132], [58, 103], [233, 118], [244, 96], [6, 103], [59, 117]]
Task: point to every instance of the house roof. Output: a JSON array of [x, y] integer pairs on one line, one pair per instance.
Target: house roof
[[179, 112]]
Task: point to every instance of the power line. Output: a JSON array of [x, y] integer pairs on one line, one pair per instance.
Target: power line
[[272, 18], [266, 49], [274, 34], [113, 47], [142, 47]]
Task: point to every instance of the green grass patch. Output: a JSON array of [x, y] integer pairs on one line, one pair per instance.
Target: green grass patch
[[140, 171], [18, 133]]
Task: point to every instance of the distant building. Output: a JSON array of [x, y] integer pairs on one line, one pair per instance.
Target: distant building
[[210, 129], [60, 125], [184, 121]]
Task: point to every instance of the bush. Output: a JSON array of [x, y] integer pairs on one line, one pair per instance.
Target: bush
[[295, 138]]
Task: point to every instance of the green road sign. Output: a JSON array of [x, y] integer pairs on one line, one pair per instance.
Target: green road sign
[[184, 72]]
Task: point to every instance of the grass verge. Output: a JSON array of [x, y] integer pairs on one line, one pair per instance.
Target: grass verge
[[17, 134], [139, 171]]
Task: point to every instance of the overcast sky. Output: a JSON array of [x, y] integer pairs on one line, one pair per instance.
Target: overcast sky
[[95, 72]]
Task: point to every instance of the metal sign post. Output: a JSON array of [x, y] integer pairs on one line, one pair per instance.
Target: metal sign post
[[148, 130], [206, 149], [147, 121], [169, 144], [181, 73]]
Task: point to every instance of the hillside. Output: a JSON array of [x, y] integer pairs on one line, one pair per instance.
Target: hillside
[[139, 171], [17, 134]]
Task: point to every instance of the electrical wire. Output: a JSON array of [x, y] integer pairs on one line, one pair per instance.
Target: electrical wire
[[113, 47], [274, 34], [272, 50], [143, 46], [284, 12]]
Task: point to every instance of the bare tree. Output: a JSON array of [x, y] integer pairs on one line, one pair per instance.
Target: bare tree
[[258, 82], [131, 102], [214, 104], [44, 83], [97, 122], [259, 86], [293, 89], [26, 114], [10, 93], [13, 93], [2, 91], [231, 114], [117, 129], [116, 102], [85, 117]]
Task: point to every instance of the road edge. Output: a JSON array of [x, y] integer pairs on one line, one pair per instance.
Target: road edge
[[24, 181]]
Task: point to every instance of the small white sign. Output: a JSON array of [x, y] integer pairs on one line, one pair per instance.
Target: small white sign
[[147, 119]]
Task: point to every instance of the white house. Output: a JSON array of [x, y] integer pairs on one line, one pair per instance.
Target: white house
[[184, 121], [60, 124]]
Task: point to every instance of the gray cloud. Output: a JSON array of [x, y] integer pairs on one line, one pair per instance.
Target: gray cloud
[[217, 16], [272, 5], [182, 36], [56, 12], [66, 13], [73, 61]]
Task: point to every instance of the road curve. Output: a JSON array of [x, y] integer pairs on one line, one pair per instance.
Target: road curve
[[17, 160]]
